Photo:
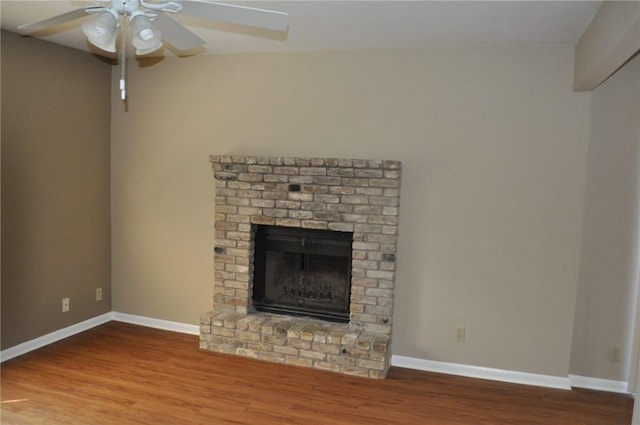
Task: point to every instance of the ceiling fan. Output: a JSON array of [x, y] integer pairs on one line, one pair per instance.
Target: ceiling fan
[[148, 23]]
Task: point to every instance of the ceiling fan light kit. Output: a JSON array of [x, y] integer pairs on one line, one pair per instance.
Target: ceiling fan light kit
[[144, 36], [102, 30], [147, 25]]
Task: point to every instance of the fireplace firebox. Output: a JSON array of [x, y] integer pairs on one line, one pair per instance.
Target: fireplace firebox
[[303, 272]]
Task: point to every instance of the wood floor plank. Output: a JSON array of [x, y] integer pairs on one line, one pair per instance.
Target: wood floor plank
[[124, 374]]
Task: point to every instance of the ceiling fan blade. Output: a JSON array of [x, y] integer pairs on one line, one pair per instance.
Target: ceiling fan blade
[[260, 18], [177, 34], [57, 19]]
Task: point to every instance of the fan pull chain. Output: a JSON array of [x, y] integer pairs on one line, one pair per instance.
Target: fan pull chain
[[123, 63]]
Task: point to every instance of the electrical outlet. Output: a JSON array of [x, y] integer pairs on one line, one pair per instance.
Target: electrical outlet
[[98, 294], [65, 305], [614, 354], [460, 334]]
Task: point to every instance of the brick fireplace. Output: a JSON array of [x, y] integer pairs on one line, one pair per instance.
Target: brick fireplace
[[358, 197]]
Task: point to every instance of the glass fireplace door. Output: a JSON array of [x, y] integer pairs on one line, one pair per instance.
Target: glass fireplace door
[[303, 272]]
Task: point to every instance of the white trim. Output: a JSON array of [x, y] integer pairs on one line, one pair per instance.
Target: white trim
[[50, 338], [399, 361], [598, 384], [482, 372], [156, 323]]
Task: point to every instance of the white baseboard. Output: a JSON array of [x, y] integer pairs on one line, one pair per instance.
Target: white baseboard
[[598, 384], [156, 323], [399, 361], [34, 344], [482, 372], [58, 335]]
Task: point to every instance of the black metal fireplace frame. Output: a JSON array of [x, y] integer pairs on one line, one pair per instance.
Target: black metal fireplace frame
[[301, 242]]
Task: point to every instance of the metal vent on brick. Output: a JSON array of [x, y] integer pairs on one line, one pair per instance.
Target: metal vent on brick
[[303, 272]]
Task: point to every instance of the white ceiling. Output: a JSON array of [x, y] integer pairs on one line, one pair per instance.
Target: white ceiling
[[318, 25]]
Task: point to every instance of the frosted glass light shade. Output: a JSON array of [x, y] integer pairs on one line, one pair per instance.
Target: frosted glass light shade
[[102, 31], [144, 36]]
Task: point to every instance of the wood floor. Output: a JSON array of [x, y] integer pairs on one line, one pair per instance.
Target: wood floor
[[124, 374]]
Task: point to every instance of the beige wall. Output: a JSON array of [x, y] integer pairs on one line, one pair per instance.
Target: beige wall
[[55, 187], [609, 260], [494, 149]]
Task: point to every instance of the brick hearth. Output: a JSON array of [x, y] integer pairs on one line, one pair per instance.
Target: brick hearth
[[343, 195]]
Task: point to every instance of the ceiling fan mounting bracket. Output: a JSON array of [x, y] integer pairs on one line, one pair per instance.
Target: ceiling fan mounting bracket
[[128, 7]]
